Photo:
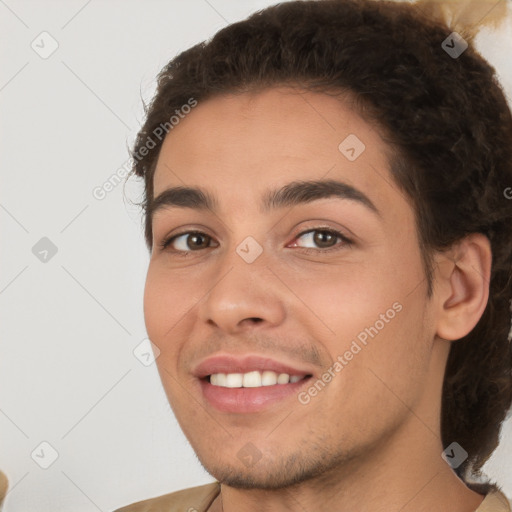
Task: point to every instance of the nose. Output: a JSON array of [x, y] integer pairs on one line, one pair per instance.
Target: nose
[[242, 297]]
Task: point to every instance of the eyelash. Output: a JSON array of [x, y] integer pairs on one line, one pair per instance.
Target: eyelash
[[307, 250]]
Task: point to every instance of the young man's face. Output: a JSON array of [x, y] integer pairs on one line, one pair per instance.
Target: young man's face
[[277, 288]]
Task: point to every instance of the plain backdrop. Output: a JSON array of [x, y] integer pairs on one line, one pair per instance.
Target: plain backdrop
[[73, 394]]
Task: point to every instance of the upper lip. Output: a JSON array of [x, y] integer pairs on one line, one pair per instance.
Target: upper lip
[[227, 363]]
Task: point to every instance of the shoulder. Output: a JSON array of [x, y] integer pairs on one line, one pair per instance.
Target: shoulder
[[495, 501], [195, 499]]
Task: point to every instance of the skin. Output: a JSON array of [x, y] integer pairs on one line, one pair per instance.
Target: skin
[[370, 440]]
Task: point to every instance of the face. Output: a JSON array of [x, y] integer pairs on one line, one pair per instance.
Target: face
[[289, 304]]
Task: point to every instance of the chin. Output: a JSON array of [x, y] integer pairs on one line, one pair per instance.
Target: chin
[[271, 475]]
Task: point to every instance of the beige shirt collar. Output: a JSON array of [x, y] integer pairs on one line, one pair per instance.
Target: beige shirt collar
[[199, 499]]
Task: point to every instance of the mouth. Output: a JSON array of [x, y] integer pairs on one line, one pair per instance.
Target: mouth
[[254, 379], [250, 384]]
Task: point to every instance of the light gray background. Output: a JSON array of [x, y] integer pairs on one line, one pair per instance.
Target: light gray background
[[68, 375]]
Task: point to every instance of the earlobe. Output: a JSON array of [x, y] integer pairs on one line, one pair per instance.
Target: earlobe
[[464, 292]]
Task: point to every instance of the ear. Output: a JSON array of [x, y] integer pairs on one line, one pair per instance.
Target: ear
[[462, 286]]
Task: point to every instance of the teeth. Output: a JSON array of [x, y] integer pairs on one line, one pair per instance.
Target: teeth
[[253, 379], [268, 378], [219, 379], [234, 380], [283, 378]]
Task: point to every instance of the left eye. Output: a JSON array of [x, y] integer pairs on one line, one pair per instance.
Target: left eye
[[323, 239]]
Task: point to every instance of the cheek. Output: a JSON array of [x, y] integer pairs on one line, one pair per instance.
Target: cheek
[[341, 300], [155, 304], [375, 308], [164, 304], [391, 367], [170, 312]]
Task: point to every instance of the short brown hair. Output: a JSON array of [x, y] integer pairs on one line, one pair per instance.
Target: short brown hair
[[449, 128]]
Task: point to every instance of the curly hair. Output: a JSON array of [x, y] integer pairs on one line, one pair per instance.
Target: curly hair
[[449, 130]]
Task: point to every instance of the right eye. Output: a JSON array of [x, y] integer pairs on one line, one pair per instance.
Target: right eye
[[186, 242]]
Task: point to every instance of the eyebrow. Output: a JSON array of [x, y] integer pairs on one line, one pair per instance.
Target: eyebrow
[[291, 194]]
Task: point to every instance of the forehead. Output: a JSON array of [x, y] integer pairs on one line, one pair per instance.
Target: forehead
[[239, 145]]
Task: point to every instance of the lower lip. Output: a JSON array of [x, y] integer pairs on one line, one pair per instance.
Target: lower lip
[[247, 400]]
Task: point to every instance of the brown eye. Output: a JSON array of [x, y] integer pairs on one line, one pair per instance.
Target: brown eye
[[187, 242], [324, 238], [197, 241]]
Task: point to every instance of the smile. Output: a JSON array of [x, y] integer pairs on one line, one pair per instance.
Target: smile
[[242, 384], [254, 379]]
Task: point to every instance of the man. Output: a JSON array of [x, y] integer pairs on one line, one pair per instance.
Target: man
[[329, 283]]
